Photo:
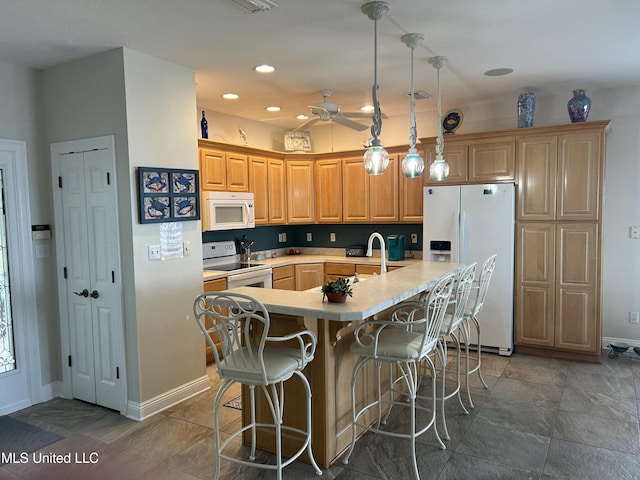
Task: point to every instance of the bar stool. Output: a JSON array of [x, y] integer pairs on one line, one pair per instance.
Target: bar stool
[[251, 357], [476, 302], [405, 342], [452, 326]]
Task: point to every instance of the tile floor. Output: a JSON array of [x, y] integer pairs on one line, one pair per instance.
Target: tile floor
[[540, 419]]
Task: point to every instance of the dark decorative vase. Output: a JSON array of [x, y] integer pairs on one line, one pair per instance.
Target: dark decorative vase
[[526, 109], [579, 106], [334, 297], [204, 126]]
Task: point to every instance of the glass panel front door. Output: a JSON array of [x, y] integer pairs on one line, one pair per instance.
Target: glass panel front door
[[7, 348]]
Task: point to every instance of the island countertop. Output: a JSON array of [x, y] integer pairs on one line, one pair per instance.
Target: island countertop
[[370, 296]]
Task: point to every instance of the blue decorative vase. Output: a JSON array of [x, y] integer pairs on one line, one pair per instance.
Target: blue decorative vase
[[579, 106], [526, 109]]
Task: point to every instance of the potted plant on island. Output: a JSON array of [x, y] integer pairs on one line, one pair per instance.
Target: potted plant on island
[[337, 291]]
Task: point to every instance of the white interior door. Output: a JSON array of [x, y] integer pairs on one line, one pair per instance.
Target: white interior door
[[92, 296], [19, 354]]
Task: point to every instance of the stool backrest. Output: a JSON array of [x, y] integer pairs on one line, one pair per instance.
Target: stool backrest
[[436, 306], [461, 294], [241, 325], [484, 280]]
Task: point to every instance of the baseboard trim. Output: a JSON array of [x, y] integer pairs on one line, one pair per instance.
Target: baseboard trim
[[141, 411]]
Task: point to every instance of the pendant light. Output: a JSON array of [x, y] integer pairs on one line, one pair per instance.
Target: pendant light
[[412, 164], [376, 158], [439, 169]]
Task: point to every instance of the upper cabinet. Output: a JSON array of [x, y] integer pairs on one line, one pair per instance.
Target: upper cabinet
[[267, 182], [559, 176], [474, 159], [300, 191], [370, 198], [328, 177], [223, 171]]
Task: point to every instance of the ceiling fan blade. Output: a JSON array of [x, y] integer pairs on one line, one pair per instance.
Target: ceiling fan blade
[[349, 123], [306, 124], [360, 115]]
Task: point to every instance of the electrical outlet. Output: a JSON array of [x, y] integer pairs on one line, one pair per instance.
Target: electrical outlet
[[332, 237], [414, 238], [634, 232], [309, 237], [634, 317], [154, 252], [284, 237]]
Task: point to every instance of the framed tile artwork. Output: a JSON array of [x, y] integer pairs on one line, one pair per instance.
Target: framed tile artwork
[[168, 195]]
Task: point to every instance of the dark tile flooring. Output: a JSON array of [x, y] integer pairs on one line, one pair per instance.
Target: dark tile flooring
[[540, 419]]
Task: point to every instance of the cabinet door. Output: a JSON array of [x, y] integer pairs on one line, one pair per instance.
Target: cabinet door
[[537, 160], [334, 271], [300, 191], [535, 284], [492, 160], [577, 305], [355, 188], [309, 275], [411, 199], [579, 176], [283, 278], [328, 178], [383, 194], [237, 173], [277, 191], [213, 286], [455, 154], [258, 185], [213, 170]]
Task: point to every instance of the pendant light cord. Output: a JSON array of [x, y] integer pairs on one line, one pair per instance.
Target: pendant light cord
[[412, 115], [377, 117]]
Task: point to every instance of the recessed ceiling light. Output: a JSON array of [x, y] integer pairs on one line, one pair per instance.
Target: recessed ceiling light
[[230, 96], [302, 116], [367, 108], [273, 109], [498, 72], [265, 69]]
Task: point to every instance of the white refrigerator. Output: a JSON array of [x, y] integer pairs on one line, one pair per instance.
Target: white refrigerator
[[468, 223]]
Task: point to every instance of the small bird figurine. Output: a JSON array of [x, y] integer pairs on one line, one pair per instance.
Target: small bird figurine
[[243, 135]]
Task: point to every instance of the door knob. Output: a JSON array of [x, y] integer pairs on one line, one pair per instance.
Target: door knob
[[83, 293], [95, 294]]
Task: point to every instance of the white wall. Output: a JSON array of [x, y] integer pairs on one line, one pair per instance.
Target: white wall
[[621, 255]]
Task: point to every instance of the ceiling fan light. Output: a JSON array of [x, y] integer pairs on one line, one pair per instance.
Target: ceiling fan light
[[412, 164], [376, 159], [439, 169]]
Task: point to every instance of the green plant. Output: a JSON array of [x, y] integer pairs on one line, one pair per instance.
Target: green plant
[[341, 286]]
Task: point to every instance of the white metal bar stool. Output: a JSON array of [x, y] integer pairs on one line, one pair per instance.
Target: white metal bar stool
[[476, 302], [404, 342], [251, 357]]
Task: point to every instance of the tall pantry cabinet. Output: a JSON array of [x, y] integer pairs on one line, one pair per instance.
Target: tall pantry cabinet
[[560, 179]]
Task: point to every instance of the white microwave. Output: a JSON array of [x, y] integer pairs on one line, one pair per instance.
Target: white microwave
[[227, 211]]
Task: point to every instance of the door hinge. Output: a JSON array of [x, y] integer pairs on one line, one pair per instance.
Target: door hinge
[[59, 182], [69, 360], [108, 178], [64, 272], [117, 373]]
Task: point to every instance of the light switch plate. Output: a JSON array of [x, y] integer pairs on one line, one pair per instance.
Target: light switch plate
[[635, 232], [154, 252]]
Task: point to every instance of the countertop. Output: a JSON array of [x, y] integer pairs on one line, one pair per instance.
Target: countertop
[[306, 258], [370, 297]]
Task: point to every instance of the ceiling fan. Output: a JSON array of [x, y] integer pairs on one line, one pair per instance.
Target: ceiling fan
[[326, 111]]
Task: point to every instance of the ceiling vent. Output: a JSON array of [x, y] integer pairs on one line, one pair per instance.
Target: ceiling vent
[[420, 95], [255, 6]]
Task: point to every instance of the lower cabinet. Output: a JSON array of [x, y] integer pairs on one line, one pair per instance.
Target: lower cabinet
[[309, 275], [213, 286], [284, 278], [558, 287]]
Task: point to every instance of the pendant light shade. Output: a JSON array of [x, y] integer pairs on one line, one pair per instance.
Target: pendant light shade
[[412, 164], [439, 169], [376, 158]]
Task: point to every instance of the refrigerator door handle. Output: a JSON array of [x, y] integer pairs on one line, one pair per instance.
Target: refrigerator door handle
[[463, 237]]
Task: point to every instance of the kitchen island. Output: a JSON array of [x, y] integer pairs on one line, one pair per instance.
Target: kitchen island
[[330, 372]]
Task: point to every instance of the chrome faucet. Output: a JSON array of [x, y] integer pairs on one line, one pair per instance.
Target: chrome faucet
[[383, 260]]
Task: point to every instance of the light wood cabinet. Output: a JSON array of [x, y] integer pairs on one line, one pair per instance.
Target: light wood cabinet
[[309, 275], [474, 160], [328, 178], [370, 198], [223, 171], [334, 271], [213, 286], [411, 201], [284, 277], [559, 241], [300, 191], [267, 182]]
